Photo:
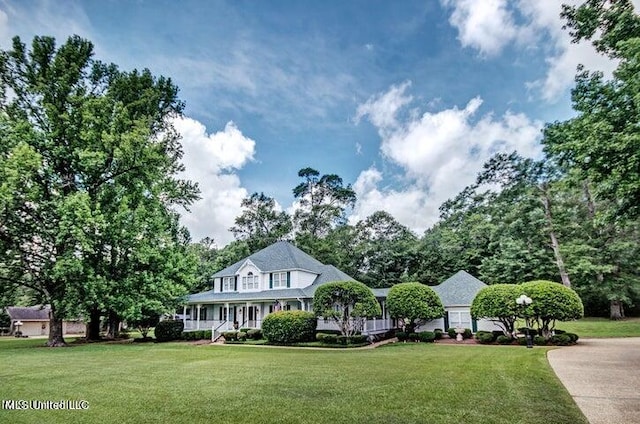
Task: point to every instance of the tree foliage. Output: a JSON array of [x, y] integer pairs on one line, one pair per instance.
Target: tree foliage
[[347, 303], [260, 223], [551, 302], [322, 202], [414, 304], [498, 303], [89, 161]]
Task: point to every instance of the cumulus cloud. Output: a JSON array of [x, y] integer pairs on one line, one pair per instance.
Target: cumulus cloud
[[211, 159], [440, 153], [491, 25], [486, 25]]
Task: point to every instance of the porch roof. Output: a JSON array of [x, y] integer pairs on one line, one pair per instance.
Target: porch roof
[[219, 297]]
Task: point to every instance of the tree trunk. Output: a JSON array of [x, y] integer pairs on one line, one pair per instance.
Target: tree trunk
[[555, 245], [56, 338], [93, 326], [616, 310], [113, 325]]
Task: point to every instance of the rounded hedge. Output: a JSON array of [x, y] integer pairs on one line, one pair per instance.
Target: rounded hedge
[[426, 336], [285, 327], [169, 330], [553, 301], [484, 337], [414, 302]]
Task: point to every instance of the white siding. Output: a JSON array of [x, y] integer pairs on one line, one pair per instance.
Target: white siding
[[432, 325], [244, 271], [302, 279]]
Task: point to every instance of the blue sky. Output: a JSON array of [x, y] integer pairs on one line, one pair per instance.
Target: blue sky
[[404, 100]]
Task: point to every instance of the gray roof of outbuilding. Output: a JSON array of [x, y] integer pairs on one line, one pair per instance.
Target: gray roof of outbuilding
[[459, 290], [29, 313], [281, 255]]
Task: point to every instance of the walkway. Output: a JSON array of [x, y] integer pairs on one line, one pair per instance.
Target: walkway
[[603, 376]]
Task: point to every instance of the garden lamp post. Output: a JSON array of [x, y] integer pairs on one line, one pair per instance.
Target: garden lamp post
[[525, 301], [18, 325]]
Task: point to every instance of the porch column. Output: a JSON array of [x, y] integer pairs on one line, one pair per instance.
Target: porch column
[[245, 317], [184, 316], [226, 305], [198, 317]]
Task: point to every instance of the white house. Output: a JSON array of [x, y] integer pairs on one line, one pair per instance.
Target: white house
[[283, 277]]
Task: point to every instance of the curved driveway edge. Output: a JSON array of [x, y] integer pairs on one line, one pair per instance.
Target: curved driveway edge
[[603, 377]]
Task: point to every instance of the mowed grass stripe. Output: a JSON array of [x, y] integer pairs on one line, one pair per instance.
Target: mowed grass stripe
[[178, 382]]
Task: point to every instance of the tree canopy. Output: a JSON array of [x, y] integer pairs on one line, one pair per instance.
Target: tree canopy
[[347, 303], [88, 166]]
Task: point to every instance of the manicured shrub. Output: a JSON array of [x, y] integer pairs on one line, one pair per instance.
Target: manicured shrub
[[484, 337], [496, 334], [169, 330], [551, 302], [497, 302], [242, 336], [358, 339], [504, 340], [413, 337], [452, 333], [331, 338], [414, 304], [467, 333], [438, 333], [285, 327], [426, 336], [244, 329], [574, 337], [557, 331], [254, 334], [402, 336], [331, 299], [230, 335], [539, 341], [522, 341], [207, 335], [342, 340], [560, 340]]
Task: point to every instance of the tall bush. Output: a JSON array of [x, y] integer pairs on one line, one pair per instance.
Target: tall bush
[[551, 302], [498, 303], [287, 327], [169, 330], [347, 303], [414, 304]]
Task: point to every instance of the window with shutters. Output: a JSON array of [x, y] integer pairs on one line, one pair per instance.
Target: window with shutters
[[279, 280], [228, 283]]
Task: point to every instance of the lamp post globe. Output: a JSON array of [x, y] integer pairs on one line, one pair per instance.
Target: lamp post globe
[[525, 301]]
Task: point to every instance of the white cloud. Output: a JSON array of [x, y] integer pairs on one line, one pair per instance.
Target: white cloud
[[382, 108], [490, 25], [210, 159], [486, 25], [440, 153]]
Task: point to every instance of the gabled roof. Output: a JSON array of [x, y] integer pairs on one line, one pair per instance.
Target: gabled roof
[[281, 255], [28, 313], [459, 290]]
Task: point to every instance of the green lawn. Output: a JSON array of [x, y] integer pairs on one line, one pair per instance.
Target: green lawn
[[602, 327], [179, 382]]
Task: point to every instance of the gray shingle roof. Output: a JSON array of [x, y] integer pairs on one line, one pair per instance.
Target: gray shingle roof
[[459, 289], [28, 313], [281, 255]]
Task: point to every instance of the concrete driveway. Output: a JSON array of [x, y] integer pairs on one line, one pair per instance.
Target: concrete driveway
[[603, 376]]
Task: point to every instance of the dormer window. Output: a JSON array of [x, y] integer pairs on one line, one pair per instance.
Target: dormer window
[[251, 282], [228, 284]]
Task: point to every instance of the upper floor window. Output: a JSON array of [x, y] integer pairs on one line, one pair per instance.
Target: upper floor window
[[228, 283], [279, 280], [251, 282]]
